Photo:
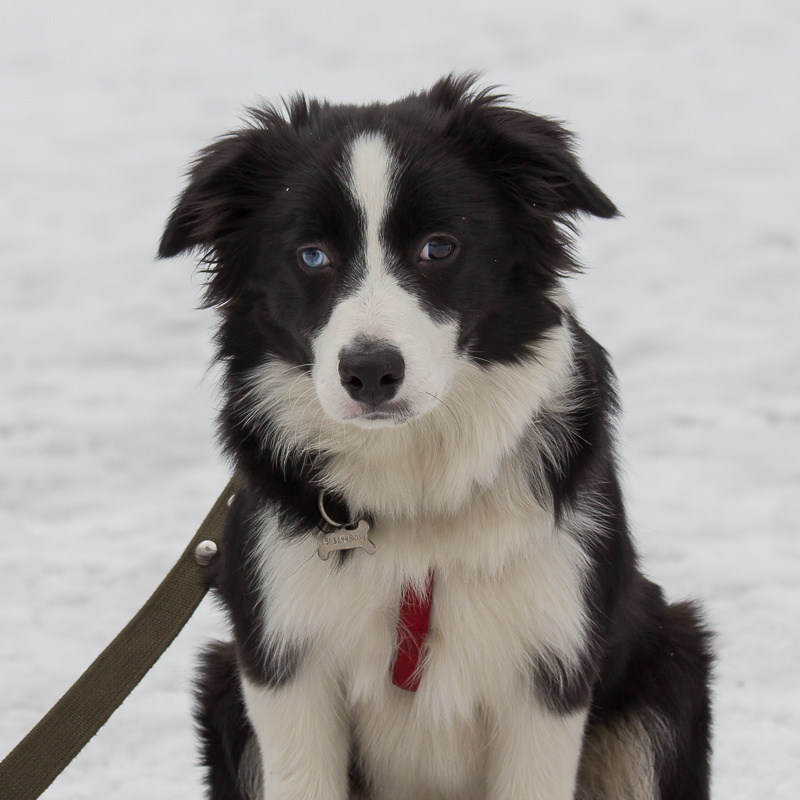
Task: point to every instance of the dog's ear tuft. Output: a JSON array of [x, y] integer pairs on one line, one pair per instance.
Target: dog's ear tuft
[[214, 200], [456, 90]]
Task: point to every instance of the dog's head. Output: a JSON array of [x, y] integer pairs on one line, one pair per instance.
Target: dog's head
[[381, 248]]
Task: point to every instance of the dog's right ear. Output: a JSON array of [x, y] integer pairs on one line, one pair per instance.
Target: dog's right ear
[[215, 202]]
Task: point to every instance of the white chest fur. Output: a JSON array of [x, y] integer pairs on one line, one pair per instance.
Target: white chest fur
[[508, 588], [505, 586]]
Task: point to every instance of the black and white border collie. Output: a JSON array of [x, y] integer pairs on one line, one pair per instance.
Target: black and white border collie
[[400, 352]]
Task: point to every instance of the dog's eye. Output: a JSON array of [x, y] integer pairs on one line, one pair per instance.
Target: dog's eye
[[314, 258], [437, 250]]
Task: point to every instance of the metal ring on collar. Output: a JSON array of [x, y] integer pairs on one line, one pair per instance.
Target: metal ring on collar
[[324, 513]]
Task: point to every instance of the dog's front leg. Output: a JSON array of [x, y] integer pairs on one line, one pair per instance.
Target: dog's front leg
[[303, 735], [534, 753]]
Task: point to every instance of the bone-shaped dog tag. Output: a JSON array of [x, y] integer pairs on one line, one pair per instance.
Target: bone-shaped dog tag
[[346, 538]]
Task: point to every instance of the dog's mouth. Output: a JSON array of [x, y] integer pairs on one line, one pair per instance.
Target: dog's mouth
[[389, 416]]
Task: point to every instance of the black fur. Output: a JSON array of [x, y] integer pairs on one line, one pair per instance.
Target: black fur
[[222, 722]]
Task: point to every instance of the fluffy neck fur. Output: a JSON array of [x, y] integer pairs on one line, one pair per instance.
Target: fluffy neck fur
[[432, 464]]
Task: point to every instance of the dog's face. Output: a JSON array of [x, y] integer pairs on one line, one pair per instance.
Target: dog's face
[[381, 248]]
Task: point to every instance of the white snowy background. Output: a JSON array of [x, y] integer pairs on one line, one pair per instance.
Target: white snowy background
[[688, 117]]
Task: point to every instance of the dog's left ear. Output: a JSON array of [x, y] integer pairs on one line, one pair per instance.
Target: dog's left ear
[[534, 155], [531, 155]]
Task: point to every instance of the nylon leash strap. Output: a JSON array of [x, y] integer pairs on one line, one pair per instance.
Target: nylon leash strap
[[66, 729]]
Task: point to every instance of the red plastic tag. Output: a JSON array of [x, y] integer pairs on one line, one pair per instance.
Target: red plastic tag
[[412, 633]]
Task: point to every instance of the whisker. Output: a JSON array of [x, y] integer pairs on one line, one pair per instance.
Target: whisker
[[290, 368], [442, 402]]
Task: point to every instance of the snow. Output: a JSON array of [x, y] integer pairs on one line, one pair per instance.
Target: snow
[[688, 117]]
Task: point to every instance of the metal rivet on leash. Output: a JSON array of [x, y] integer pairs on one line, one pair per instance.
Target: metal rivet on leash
[[204, 552]]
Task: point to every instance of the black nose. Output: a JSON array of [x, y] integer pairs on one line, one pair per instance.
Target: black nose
[[371, 372]]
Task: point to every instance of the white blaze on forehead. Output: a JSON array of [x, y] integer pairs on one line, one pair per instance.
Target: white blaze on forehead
[[379, 307], [371, 180]]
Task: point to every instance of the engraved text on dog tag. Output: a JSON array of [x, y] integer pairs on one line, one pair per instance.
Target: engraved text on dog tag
[[345, 538]]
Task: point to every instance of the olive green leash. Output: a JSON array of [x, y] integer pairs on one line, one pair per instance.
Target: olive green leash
[[65, 730]]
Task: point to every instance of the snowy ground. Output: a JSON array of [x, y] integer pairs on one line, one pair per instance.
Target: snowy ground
[[688, 117]]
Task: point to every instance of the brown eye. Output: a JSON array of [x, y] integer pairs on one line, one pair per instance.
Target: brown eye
[[437, 250]]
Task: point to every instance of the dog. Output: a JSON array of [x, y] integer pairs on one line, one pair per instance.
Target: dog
[[430, 580]]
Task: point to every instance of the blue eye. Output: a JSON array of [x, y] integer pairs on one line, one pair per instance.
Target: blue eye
[[314, 258], [437, 250]]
